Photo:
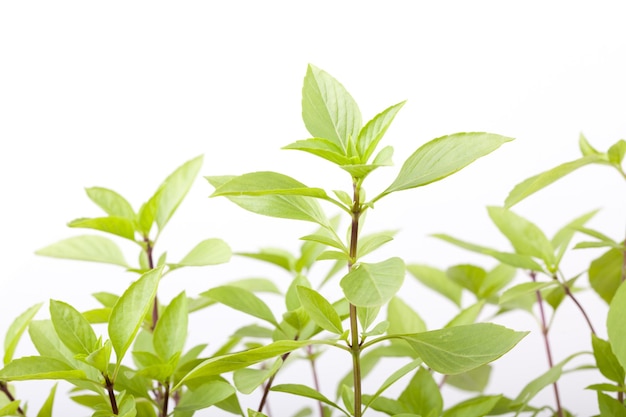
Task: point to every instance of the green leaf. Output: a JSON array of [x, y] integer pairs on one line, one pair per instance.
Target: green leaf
[[526, 237], [564, 236], [606, 361], [537, 182], [129, 311], [468, 315], [320, 310], [86, 248], [247, 380], [204, 396], [256, 285], [475, 380], [170, 332], [393, 378], [38, 367], [111, 202], [326, 238], [442, 157], [512, 259], [524, 289], [307, 392], [366, 316], [610, 407], [585, 147], [470, 277], [461, 348], [369, 243], [496, 279], [174, 189], [438, 281], [252, 413], [278, 257], [100, 357], [15, 331], [474, 407], [605, 273], [616, 152], [402, 318], [119, 226], [374, 130], [422, 395], [266, 183], [616, 323], [241, 300], [371, 285], [73, 328], [46, 408], [323, 148], [328, 110], [207, 252], [10, 409], [147, 213]]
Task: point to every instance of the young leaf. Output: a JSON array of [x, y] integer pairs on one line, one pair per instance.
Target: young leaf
[[174, 189], [170, 332], [111, 202], [438, 281], [38, 367], [459, 349], [86, 248], [403, 319], [15, 331], [372, 242], [207, 252], [241, 300], [402, 371], [610, 407], [606, 361], [475, 380], [468, 315], [10, 408], [564, 236], [278, 257], [585, 147], [442, 157], [367, 315], [147, 213], [374, 130], [524, 289], [474, 407], [496, 279], [73, 328], [46, 408], [535, 183], [204, 396], [328, 110], [526, 237], [422, 396], [323, 148], [371, 285], [320, 310], [470, 277], [307, 392], [605, 273], [247, 380], [118, 226], [266, 183], [616, 152], [129, 311]]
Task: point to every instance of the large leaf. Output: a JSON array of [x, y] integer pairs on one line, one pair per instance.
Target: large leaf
[[266, 183], [537, 182], [438, 281], [119, 226], [610, 407], [371, 285], [111, 202], [242, 300], [73, 328], [38, 367], [173, 190], [170, 332], [207, 252], [130, 309], [526, 237], [442, 157], [605, 273], [15, 331], [328, 110], [320, 310], [86, 248], [606, 361], [458, 349], [374, 130]]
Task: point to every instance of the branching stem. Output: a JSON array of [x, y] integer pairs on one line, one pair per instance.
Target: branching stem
[[355, 346], [5, 389]]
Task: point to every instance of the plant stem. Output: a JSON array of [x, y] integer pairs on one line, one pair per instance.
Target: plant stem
[[112, 400], [544, 331], [569, 293], [5, 389], [316, 381], [355, 346], [268, 385], [155, 305], [166, 397]]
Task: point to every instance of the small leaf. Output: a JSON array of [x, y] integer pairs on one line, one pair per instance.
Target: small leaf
[[470, 277], [564, 236], [455, 350], [442, 157], [585, 147], [438, 281], [540, 181], [616, 152], [207, 252], [100, 357], [129, 311], [147, 213], [111, 202], [278, 257], [524, 289], [10, 408], [118, 226], [403, 319], [170, 332], [323, 148], [371, 285], [474, 407], [468, 315], [328, 110], [422, 396], [73, 328], [475, 380], [605, 273], [366, 316], [174, 189], [307, 392], [610, 407], [266, 183], [241, 300], [369, 243], [394, 377], [204, 396], [327, 239], [606, 361], [38, 367], [46, 408], [15, 331], [320, 310], [496, 279], [86, 248], [374, 130], [247, 380]]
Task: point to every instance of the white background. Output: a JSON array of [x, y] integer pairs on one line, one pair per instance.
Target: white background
[[118, 94]]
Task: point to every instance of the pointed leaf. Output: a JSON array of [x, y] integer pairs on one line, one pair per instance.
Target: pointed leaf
[[475, 380], [468, 315], [442, 157], [371, 285], [458, 349], [394, 377], [616, 152], [118, 226], [496, 279], [207, 252], [204, 396], [470, 277], [610, 407], [422, 396], [438, 281], [174, 189], [320, 310], [585, 147], [605, 273], [540, 181], [328, 110], [73, 328], [129, 311], [370, 243], [15, 331], [323, 148], [86, 248], [170, 332], [278, 257], [616, 325], [403, 319], [606, 361], [241, 300], [307, 392], [564, 236], [266, 183], [247, 380], [46, 408], [38, 367], [524, 289], [111, 202], [374, 130], [474, 407]]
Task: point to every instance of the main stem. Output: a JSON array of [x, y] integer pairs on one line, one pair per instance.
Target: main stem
[[110, 390], [355, 345], [544, 332]]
